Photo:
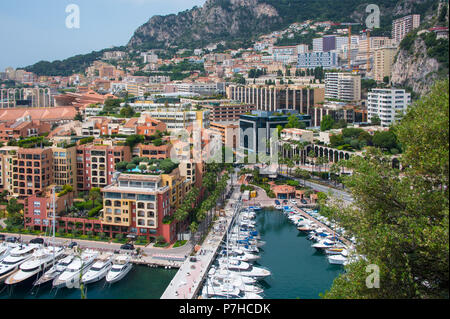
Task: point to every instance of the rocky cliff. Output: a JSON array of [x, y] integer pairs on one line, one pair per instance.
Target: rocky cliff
[[422, 58], [217, 20], [417, 70]]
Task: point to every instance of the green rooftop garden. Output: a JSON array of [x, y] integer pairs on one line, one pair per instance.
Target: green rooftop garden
[[147, 166]]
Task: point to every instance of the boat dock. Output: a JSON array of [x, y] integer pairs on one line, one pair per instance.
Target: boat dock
[[322, 225], [188, 280]]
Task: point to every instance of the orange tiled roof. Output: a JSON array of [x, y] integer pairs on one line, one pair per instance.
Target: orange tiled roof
[[42, 114]]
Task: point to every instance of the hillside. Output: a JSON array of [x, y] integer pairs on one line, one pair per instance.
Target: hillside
[[232, 20], [237, 23]]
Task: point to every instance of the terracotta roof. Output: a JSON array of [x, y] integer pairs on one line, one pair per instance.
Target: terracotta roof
[[42, 114]]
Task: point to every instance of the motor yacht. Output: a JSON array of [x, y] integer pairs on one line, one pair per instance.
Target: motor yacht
[[77, 268], [5, 249], [98, 271], [121, 266], [17, 256], [39, 262], [243, 270], [337, 259], [57, 269], [326, 244], [224, 274], [226, 291]]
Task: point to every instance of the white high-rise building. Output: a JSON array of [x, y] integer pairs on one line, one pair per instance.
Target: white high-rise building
[[343, 86], [318, 45], [388, 104]]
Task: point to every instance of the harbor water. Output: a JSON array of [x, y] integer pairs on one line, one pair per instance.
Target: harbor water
[[141, 282], [298, 270]]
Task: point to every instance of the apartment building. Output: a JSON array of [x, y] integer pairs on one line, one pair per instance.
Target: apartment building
[[8, 154], [272, 98], [383, 61], [96, 164], [229, 133], [223, 112], [343, 86], [387, 104], [32, 171], [23, 128], [337, 110], [65, 166], [152, 151], [38, 208], [312, 60], [401, 27], [179, 118], [138, 204]]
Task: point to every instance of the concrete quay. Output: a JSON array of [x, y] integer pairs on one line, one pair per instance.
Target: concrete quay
[[187, 282]]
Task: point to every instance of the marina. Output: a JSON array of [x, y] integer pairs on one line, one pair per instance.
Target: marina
[[250, 253]]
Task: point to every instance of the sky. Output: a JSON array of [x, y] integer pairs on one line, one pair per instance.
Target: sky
[[35, 30]]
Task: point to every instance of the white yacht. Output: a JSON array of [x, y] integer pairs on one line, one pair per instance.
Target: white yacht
[[17, 256], [39, 262], [121, 266], [250, 271], [5, 249], [326, 244], [225, 274], [76, 269], [237, 282], [56, 270], [226, 291], [337, 259], [98, 271]]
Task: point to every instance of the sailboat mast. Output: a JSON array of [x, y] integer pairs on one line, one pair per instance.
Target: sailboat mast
[[54, 221]]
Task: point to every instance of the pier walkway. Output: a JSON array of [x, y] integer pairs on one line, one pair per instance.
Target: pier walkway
[[187, 282]]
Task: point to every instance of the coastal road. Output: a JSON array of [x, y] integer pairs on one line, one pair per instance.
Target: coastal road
[[337, 193]]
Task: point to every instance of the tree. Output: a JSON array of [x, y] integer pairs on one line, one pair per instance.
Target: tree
[[401, 218], [131, 166], [133, 140], [127, 111], [121, 166], [326, 123], [15, 216], [385, 140], [94, 194], [375, 120], [78, 117]]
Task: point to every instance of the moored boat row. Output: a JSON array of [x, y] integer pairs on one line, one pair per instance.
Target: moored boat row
[[234, 276]]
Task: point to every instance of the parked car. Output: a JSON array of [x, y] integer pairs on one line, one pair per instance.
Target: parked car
[[2, 237], [73, 244], [127, 247], [303, 201], [37, 241], [12, 239]]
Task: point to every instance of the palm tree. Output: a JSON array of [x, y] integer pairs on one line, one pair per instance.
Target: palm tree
[[290, 165], [312, 157]]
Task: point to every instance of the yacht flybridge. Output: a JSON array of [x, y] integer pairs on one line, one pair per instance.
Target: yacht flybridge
[[17, 256]]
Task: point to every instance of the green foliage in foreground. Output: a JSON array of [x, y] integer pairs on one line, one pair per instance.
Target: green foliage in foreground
[[401, 219]]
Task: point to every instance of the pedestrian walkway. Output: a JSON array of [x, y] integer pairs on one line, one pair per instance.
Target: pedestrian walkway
[[187, 282]]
